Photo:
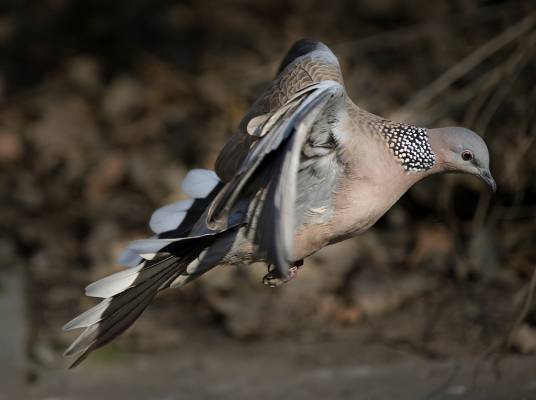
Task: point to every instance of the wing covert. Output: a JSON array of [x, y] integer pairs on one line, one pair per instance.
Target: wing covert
[[308, 62]]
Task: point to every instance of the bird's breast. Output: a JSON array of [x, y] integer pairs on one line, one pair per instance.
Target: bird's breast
[[357, 205]]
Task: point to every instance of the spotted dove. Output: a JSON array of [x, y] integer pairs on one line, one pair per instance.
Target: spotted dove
[[306, 168]]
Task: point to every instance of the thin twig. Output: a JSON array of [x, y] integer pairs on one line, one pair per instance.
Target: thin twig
[[408, 34], [512, 71], [434, 89], [400, 35]]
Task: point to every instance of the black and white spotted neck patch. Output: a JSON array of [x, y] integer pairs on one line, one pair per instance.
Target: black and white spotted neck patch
[[410, 145]]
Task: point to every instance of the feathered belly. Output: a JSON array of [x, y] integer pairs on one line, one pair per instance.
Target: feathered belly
[[312, 237], [353, 213]]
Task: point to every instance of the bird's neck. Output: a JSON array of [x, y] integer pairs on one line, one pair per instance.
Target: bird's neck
[[438, 143]]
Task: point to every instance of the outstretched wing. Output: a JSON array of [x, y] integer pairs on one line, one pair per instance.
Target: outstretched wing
[[307, 62], [298, 109], [304, 172]]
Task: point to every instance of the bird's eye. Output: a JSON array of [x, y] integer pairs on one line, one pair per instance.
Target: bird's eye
[[467, 155]]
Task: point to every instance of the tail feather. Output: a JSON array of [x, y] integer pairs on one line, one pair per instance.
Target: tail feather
[[89, 317], [129, 258], [105, 309], [123, 280], [121, 311], [169, 259], [198, 183], [116, 323], [170, 216]]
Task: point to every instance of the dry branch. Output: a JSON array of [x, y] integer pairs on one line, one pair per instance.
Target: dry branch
[[434, 89]]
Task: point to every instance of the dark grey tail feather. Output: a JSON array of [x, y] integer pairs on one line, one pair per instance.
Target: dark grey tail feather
[[125, 307]]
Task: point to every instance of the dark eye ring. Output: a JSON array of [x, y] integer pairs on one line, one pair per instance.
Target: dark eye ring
[[467, 155]]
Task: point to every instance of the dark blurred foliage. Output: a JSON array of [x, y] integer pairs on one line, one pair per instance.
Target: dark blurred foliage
[[104, 105]]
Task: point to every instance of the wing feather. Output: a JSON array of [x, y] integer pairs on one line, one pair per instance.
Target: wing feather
[[308, 62], [276, 129], [276, 225], [277, 152]]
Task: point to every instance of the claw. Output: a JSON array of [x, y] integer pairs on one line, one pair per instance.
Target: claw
[[273, 279]]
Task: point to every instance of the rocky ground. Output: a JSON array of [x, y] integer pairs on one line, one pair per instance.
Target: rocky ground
[[340, 367], [410, 340]]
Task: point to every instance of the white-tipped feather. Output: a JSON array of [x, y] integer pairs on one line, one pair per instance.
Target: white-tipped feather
[[89, 317], [128, 293], [198, 183], [123, 280], [255, 125], [196, 269], [128, 258], [169, 217], [179, 281], [148, 256], [147, 248], [194, 265], [113, 284]]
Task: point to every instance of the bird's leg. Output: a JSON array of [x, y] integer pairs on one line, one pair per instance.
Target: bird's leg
[[273, 279]]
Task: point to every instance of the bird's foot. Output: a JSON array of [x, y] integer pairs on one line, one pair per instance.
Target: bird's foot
[[273, 279]]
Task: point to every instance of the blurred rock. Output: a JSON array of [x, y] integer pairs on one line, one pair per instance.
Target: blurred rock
[[348, 315], [524, 339], [109, 172], [98, 246], [433, 249], [85, 72], [269, 311], [65, 136], [335, 262], [123, 99], [11, 147], [375, 297], [484, 254]]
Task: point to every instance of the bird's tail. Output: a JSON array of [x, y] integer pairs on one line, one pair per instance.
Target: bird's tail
[[169, 259], [126, 295]]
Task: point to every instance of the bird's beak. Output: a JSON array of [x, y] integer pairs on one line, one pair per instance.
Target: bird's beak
[[486, 177]]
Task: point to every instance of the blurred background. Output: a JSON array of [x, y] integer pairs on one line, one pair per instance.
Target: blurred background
[[104, 106]]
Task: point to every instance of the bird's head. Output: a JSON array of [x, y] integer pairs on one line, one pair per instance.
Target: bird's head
[[461, 150]]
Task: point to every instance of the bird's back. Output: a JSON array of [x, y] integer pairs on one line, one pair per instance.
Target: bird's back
[[308, 61]]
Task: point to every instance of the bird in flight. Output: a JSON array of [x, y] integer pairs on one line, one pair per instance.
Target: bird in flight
[[306, 168]]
